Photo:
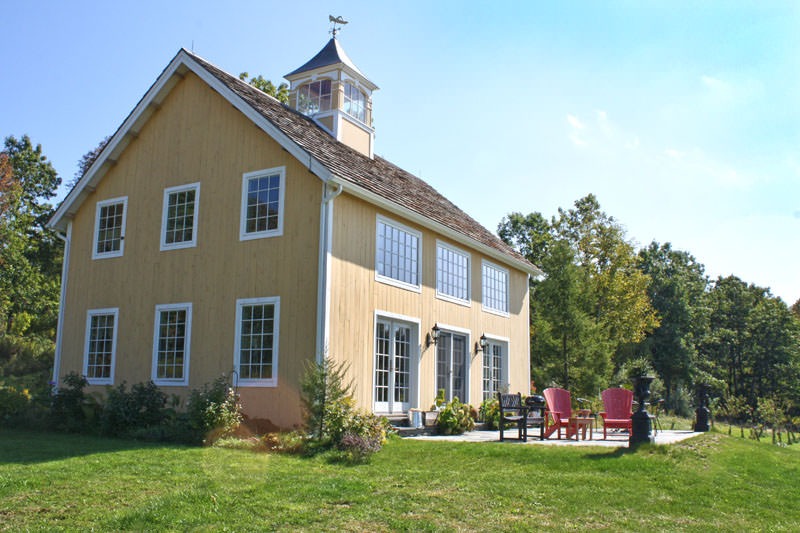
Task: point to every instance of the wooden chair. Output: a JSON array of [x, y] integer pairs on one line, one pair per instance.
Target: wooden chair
[[558, 412], [617, 409], [513, 410]]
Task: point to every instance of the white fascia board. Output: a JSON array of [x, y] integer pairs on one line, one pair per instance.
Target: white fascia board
[[424, 221], [152, 98]]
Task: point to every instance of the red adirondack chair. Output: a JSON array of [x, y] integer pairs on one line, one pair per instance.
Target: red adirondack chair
[[617, 404], [558, 412]]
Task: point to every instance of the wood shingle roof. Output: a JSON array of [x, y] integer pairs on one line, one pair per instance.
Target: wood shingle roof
[[377, 176]]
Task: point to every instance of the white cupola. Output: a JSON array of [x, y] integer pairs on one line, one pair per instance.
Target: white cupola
[[330, 89]]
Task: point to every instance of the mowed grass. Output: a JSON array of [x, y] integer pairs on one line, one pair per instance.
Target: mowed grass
[[68, 482]]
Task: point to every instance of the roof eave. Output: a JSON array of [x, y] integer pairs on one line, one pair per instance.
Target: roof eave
[[457, 236]]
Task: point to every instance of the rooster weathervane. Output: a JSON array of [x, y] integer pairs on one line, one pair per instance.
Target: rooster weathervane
[[336, 20]]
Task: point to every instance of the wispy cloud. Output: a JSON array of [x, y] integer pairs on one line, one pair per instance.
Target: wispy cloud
[[674, 154], [575, 122]]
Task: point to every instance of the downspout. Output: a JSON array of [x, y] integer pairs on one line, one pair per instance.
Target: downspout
[[324, 268], [62, 302]]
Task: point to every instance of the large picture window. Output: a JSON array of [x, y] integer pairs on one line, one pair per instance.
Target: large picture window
[[495, 288], [452, 273], [171, 343], [101, 346], [262, 203], [179, 217], [256, 350], [109, 228], [397, 259]]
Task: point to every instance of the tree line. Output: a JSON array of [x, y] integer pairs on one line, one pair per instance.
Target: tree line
[[602, 303]]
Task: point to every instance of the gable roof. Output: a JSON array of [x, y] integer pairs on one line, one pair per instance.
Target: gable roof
[[375, 180]]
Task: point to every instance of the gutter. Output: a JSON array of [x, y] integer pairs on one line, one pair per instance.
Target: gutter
[[67, 238], [324, 268]]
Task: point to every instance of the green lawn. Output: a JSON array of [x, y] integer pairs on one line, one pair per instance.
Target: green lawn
[[52, 482]]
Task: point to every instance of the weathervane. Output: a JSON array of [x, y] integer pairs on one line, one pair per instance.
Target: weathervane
[[335, 21]]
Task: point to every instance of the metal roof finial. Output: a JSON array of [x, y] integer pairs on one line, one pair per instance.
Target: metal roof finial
[[335, 21]]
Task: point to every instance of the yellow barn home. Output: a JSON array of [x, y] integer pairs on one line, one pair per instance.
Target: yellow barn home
[[220, 231]]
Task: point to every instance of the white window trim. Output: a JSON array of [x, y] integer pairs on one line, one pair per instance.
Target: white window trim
[[448, 297], [89, 314], [195, 217], [492, 310], [118, 253], [186, 345], [391, 281], [277, 232], [240, 303]]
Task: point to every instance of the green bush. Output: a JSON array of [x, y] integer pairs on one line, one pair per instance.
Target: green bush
[[490, 413], [331, 418], [13, 401], [214, 411], [125, 413], [70, 409], [455, 418]]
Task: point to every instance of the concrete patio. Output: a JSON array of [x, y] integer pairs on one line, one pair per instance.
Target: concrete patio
[[617, 439]]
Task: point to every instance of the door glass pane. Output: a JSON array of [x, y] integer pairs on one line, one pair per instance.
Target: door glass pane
[[443, 350], [460, 367], [402, 360], [382, 360]]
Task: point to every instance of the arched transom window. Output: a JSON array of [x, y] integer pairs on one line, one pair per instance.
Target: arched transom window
[[314, 97], [354, 102]]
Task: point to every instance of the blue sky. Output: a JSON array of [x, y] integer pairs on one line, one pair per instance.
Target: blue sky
[[683, 118]]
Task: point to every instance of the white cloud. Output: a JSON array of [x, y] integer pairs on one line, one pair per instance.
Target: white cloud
[[674, 154], [575, 122]]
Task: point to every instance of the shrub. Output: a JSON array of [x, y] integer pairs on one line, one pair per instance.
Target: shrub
[[13, 401], [455, 418], [490, 413], [214, 411], [293, 442], [71, 408], [126, 413], [332, 419]]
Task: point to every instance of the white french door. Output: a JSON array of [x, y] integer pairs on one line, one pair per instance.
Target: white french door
[[393, 368], [451, 365]]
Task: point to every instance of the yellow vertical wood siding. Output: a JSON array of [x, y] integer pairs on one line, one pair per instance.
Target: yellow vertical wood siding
[[356, 296], [196, 136]]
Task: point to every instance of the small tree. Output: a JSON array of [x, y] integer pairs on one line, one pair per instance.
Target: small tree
[[323, 384]]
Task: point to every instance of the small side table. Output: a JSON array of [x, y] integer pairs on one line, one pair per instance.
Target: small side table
[[579, 424]]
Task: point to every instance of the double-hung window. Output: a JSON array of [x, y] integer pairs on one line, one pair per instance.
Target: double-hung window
[[179, 217], [101, 346], [171, 343], [495, 288], [262, 203], [452, 273], [109, 228], [256, 345], [398, 255]]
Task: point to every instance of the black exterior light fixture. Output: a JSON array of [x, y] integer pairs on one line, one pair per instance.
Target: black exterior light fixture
[[482, 343], [433, 336]]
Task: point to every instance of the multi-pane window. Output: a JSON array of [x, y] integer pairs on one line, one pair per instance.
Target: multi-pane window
[[262, 203], [314, 97], [179, 219], [171, 342], [397, 257], [393, 352], [452, 273], [256, 350], [101, 344], [495, 288], [354, 102], [492, 369], [109, 228]]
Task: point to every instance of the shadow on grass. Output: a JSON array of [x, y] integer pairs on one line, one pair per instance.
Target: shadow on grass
[[28, 447], [616, 453]]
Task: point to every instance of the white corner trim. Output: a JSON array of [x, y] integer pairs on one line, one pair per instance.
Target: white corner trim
[[62, 304]]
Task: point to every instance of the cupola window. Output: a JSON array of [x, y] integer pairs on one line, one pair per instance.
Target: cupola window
[[354, 102], [314, 97]]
